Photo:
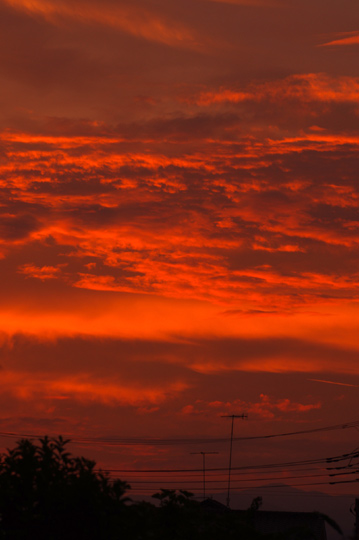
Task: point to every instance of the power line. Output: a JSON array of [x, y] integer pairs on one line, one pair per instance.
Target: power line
[[144, 441], [319, 461], [210, 474], [244, 488], [178, 481]]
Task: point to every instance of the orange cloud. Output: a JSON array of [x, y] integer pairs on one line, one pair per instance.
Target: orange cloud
[[84, 388], [303, 88], [351, 39], [247, 224], [43, 272], [266, 407], [126, 17], [190, 258], [334, 382]]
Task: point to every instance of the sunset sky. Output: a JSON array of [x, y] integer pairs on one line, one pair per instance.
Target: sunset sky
[[179, 228]]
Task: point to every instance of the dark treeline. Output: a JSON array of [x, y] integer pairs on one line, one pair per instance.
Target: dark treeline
[[46, 493]]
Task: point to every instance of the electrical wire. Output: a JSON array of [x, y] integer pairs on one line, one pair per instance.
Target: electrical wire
[[244, 488], [143, 441], [208, 481], [242, 468], [220, 474]]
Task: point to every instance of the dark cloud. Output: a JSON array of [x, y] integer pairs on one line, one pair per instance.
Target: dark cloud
[[14, 228], [151, 361]]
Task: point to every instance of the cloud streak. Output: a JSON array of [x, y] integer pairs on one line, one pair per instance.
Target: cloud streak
[[132, 19], [334, 382], [352, 39], [266, 407], [30, 387], [302, 88]]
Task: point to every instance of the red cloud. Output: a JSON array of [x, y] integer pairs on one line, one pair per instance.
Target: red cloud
[[43, 272], [85, 388], [151, 232], [266, 407], [351, 38], [126, 17], [302, 88]]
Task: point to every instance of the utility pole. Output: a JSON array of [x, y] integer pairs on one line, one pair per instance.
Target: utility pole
[[233, 416], [203, 454]]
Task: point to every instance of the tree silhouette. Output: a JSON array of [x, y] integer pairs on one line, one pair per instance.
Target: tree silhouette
[[47, 493]]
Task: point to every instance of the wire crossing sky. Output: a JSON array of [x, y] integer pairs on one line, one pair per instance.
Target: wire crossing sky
[[169, 442]]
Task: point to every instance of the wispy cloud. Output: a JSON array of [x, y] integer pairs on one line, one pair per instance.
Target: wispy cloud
[[302, 88], [131, 210], [334, 382], [42, 273], [265, 407], [84, 388], [132, 19], [350, 38]]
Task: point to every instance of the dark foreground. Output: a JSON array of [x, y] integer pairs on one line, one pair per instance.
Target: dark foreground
[[45, 493]]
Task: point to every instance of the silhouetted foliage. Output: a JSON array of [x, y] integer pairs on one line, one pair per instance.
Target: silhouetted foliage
[[256, 504], [179, 517], [47, 493]]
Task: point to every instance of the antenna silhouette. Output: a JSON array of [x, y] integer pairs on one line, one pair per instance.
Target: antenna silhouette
[[233, 416], [203, 454]]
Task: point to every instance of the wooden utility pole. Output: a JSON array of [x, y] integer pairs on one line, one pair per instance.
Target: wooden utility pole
[[203, 454], [233, 416]]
